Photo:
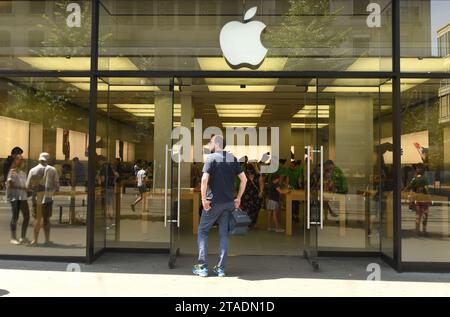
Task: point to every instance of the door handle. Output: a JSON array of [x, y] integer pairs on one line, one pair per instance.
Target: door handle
[[308, 187], [321, 187], [166, 173], [154, 175], [179, 190]]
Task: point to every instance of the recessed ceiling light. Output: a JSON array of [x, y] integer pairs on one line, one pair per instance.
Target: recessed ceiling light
[[311, 111], [308, 125], [237, 88], [239, 124], [78, 63], [240, 111]]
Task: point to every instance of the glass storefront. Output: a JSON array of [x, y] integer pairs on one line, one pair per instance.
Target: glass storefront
[[425, 170], [323, 72]]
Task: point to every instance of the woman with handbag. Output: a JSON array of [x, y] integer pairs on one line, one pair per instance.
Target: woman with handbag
[[253, 194]]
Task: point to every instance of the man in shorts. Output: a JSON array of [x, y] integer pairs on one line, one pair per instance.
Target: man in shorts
[[141, 175]]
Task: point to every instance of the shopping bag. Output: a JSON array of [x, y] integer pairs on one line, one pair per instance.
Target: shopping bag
[[239, 222]]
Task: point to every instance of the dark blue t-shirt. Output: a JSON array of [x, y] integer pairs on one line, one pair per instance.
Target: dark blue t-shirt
[[222, 167]]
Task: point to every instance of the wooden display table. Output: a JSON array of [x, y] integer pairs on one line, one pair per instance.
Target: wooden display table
[[299, 195]]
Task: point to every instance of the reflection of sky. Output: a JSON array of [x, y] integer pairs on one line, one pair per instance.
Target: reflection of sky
[[440, 16]]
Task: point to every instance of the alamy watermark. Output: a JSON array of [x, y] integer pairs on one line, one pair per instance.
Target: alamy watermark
[[375, 272], [183, 150], [374, 18], [74, 18]]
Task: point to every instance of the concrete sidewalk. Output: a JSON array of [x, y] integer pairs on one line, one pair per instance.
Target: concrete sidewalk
[[149, 275]]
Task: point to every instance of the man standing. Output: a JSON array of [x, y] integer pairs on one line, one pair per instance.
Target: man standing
[[217, 189], [43, 180], [79, 175]]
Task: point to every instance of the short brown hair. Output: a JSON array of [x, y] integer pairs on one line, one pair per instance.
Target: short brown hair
[[218, 139]]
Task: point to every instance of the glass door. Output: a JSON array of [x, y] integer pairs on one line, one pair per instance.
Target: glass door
[[313, 221], [354, 127], [134, 129]]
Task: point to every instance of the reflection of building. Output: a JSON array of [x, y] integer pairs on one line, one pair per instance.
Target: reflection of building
[[443, 36], [444, 103], [444, 41]]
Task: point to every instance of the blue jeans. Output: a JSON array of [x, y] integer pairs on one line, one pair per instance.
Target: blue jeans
[[220, 213]]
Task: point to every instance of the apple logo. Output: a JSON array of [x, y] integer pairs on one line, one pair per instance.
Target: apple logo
[[241, 42]]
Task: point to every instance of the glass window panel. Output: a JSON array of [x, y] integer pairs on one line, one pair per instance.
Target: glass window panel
[[317, 35], [423, 42], [43, 115], [425, 171], [358, 183], [45, 36]]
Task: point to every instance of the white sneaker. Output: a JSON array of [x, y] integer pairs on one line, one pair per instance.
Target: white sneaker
[[279, 230], [15, 242]]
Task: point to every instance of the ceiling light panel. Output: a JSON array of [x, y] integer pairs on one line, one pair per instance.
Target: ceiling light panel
[[239, 124], [240, 111], [320, 111]]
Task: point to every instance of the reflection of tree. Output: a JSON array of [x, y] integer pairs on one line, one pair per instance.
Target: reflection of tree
[[62, 40], [37, 103], [308, 27], [145, 63], [143, 129]]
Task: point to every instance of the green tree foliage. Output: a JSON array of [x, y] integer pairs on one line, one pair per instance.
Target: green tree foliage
[[308, 27]]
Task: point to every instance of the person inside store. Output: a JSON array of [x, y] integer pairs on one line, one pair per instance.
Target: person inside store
[[419, 202], [107, 179], [78, 173], [43, 181], [17, 195], [141, 185], [118, 167], [295, 174], [253, 195], [65, 178], [273, 205], [136, 166], [334, 182]]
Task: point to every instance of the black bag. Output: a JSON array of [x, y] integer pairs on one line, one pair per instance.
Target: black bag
[[239, 222]]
